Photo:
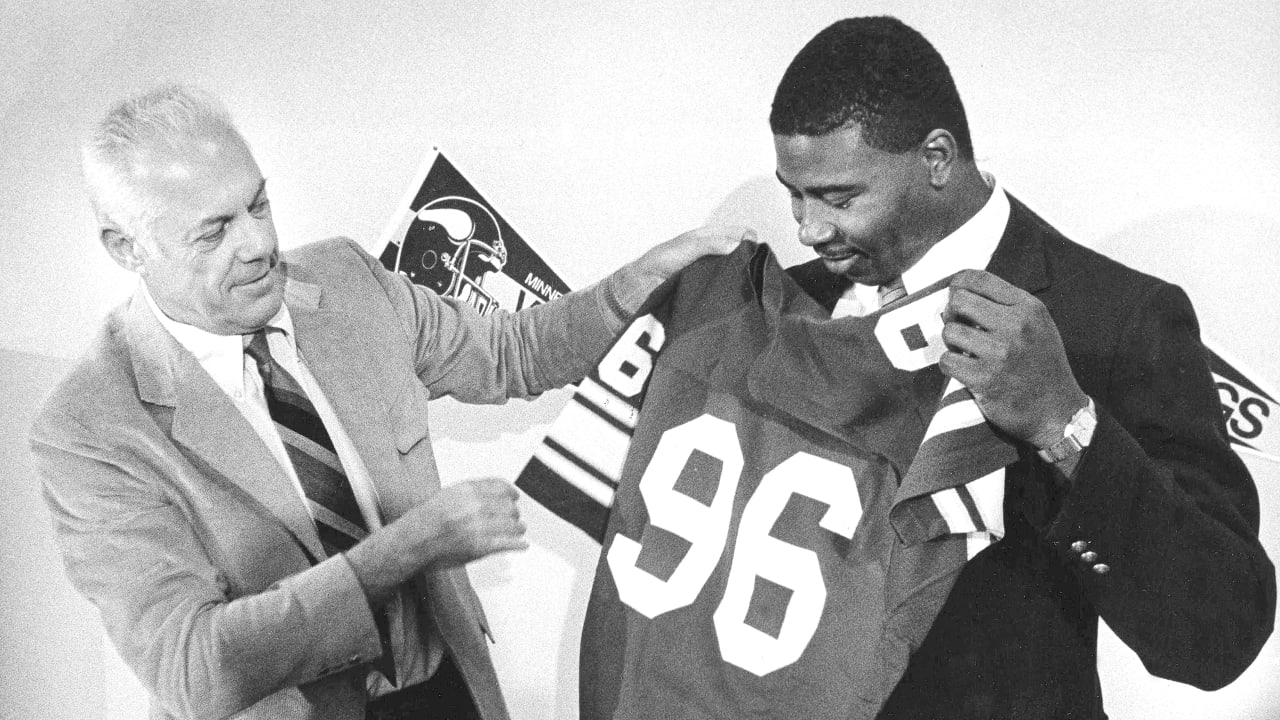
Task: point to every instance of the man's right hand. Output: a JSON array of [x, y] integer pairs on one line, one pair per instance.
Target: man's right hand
[[461, 523], [470, 520]]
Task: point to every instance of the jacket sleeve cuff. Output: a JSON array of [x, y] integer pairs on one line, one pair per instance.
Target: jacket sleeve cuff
[[623, 295], [341, 629]]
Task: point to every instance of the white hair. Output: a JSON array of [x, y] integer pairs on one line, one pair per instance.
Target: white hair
[[167, 116]]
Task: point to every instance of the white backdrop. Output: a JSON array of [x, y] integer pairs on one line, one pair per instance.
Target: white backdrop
[[597, 129]]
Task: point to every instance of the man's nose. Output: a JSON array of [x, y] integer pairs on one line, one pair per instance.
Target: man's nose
[[816, 232], [256, 240]]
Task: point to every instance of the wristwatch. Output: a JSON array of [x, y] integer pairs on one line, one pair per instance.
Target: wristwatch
[[1075, 436]]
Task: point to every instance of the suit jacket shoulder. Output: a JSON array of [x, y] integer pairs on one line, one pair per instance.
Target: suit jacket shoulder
[[100, 383]]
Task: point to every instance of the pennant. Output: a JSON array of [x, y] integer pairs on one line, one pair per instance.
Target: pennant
[[1248, 406], [576, 469], [445, 236]]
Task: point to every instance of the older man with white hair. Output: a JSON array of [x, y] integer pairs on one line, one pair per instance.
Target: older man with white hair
[[240, 471]]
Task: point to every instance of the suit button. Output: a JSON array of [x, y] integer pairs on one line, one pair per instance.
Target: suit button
[[1089, 557], [1079, 546], [1102, 568]]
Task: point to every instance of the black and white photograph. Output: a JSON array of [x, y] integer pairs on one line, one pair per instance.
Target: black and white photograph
[[873, 360]]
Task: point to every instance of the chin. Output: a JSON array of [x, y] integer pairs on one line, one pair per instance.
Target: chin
[[255, 315], [843, 267], [857, 272], [853, 271], [268, 307]]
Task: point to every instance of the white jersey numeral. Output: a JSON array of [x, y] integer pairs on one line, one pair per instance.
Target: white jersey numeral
[[630, 361], [706, 528], [756, 553], [911, 335]]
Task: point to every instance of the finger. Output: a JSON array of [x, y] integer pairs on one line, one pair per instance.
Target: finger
[[731, 237], [960, 367], [494, 546], [995, 289], [507, 527], [514, 530], [731, 233], [501, 512], [969, 341], [970, 308], [508, 545], [498, 487]]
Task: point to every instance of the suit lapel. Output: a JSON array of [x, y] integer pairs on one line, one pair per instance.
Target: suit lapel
[[348, 363], [376, 403], [208, 424]]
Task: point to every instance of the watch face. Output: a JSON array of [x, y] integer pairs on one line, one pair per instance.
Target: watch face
[[1082, 425]]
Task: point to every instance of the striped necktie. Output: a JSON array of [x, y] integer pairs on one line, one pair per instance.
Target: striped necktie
[[330, 499], [891, 293]]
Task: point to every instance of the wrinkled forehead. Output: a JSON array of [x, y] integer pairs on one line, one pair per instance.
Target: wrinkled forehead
[[188, 157], [186, 181]]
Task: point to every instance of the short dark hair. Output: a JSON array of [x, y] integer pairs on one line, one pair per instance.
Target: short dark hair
[[877, 73]]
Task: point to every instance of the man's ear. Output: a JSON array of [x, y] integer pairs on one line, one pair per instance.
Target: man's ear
[[123, 247], [940, 153]]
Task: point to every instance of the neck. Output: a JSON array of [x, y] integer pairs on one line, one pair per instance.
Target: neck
[[962, 198]]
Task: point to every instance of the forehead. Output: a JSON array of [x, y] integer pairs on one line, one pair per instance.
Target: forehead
[[839, 157], [196, 178]]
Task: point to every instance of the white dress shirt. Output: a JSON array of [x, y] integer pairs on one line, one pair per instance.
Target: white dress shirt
[[970, 247], [224, 358]]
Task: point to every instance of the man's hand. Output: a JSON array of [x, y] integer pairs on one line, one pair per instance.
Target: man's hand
[[666, 259], [470, 520], [461, 523], [1002, 344]]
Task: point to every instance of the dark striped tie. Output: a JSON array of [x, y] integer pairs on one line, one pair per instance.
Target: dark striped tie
[[315, 461]]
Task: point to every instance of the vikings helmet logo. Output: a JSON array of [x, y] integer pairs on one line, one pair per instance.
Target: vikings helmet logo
[[454, 246]]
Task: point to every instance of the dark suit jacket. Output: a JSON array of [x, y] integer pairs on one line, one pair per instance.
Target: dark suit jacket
[[1159, 496]]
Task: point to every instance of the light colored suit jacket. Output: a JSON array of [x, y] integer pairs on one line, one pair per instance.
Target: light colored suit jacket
[[177, 523]]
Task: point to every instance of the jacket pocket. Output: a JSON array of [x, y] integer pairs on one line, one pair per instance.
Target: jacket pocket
[[409, 416]]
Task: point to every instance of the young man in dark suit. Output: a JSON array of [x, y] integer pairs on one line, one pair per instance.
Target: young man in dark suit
[[1126, 502]]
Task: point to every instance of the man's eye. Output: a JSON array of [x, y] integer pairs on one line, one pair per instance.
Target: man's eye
[[213, 236], [260, 208], [842, 202]]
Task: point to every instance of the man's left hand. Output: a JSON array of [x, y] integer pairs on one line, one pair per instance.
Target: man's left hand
[[1003, 345]]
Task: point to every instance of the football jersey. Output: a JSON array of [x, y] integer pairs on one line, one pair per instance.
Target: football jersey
[[764, 556]]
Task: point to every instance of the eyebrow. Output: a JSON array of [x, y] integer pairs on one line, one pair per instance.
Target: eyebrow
[[225, 218], [820, 190]]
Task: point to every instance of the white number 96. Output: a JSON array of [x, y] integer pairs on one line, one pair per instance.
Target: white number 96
[[756, 553]]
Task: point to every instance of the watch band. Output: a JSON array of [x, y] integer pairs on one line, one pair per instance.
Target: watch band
[[1076, 436]]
